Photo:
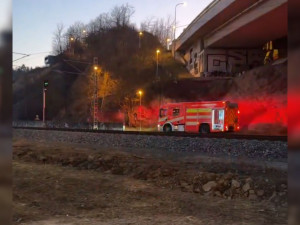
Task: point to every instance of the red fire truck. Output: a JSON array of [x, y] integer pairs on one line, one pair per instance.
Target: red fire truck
[[203, 117]]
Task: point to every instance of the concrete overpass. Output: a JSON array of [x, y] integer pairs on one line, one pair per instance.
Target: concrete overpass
[[229, 35]]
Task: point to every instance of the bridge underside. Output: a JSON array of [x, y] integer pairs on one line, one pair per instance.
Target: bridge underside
[[270, 26]]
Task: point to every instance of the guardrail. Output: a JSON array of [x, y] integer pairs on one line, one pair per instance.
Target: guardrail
[[67, 125]]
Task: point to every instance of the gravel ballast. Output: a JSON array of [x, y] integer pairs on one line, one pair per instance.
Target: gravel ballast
[[252, 149]]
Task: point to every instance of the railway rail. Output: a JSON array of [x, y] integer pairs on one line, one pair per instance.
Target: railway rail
[[174, 134]]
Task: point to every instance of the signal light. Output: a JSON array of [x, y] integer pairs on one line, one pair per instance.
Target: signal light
[[239, 112], [46, 83]]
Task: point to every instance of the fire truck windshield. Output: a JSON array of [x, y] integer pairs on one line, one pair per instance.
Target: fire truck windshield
[[233, 105], [162, 112]]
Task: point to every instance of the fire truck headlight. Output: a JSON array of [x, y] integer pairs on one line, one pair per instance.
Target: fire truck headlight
[[158, 126]]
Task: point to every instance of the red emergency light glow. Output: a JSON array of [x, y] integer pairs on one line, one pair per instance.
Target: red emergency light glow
[[257, 113]]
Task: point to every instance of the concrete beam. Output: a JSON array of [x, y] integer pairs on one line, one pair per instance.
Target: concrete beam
[[206, 15], [247, 16]]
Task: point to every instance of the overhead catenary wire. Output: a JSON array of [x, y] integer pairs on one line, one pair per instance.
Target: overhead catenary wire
[[27, 55], [60, 71], [35, 53]]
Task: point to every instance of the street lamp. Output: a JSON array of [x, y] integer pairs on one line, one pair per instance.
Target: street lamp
[[174, 27], [168, 40], [157, 53], [140, 93], [140, 36], [84, 34], [95, 98], [71, 45]]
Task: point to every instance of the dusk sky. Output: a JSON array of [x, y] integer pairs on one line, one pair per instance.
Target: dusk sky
[[34, 21], [5, 9]]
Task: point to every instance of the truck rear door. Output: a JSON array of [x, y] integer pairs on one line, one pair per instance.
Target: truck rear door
[[218, 116]]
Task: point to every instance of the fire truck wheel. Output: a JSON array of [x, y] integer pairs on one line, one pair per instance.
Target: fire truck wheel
[[167, 128], [204, 129]]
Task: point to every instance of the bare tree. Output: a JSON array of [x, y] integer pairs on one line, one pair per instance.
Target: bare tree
[[121, 15], [147, 24], [100, 24], [161, 28], [76, 31], [58, 42]]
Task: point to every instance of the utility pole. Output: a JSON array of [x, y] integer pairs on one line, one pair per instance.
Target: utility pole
[[157, 53], [157, 77], [95, 93], [44, 105], [95, 99], [140, 94], [174, 26], [140, 37], [46, 84], [105, 83]]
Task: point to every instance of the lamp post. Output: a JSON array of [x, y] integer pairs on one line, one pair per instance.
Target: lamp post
[[84, 35], [140, 94], [157, 53], [95, 98], [71, 45], [168, 40], [140, 37], [174, 27], [46, 84]]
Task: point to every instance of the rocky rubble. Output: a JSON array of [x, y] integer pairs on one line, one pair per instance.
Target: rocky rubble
[[252, 149], [163, 174]]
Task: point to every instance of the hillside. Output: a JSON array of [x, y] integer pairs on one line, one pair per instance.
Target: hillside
[[69, 92]]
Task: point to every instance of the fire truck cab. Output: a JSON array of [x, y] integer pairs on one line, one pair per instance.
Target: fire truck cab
[[203, 117]]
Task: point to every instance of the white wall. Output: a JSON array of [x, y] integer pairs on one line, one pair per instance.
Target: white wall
[[222, 60]]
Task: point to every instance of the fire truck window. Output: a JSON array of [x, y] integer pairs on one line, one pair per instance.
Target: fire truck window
[[216, 116], [162, 113], [221, 116], [176, 112]]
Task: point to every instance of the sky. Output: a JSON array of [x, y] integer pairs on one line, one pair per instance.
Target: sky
[[5, 9], [34, 21]]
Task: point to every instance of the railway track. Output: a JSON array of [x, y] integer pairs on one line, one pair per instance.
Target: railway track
[[173, 134]]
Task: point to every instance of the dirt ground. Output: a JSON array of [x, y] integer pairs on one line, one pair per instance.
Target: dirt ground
[[66, 184]]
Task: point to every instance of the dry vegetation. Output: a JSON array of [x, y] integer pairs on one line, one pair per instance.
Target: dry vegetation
[[66, 184]]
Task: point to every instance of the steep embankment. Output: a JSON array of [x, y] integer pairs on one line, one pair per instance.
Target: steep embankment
[[261, 95]]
